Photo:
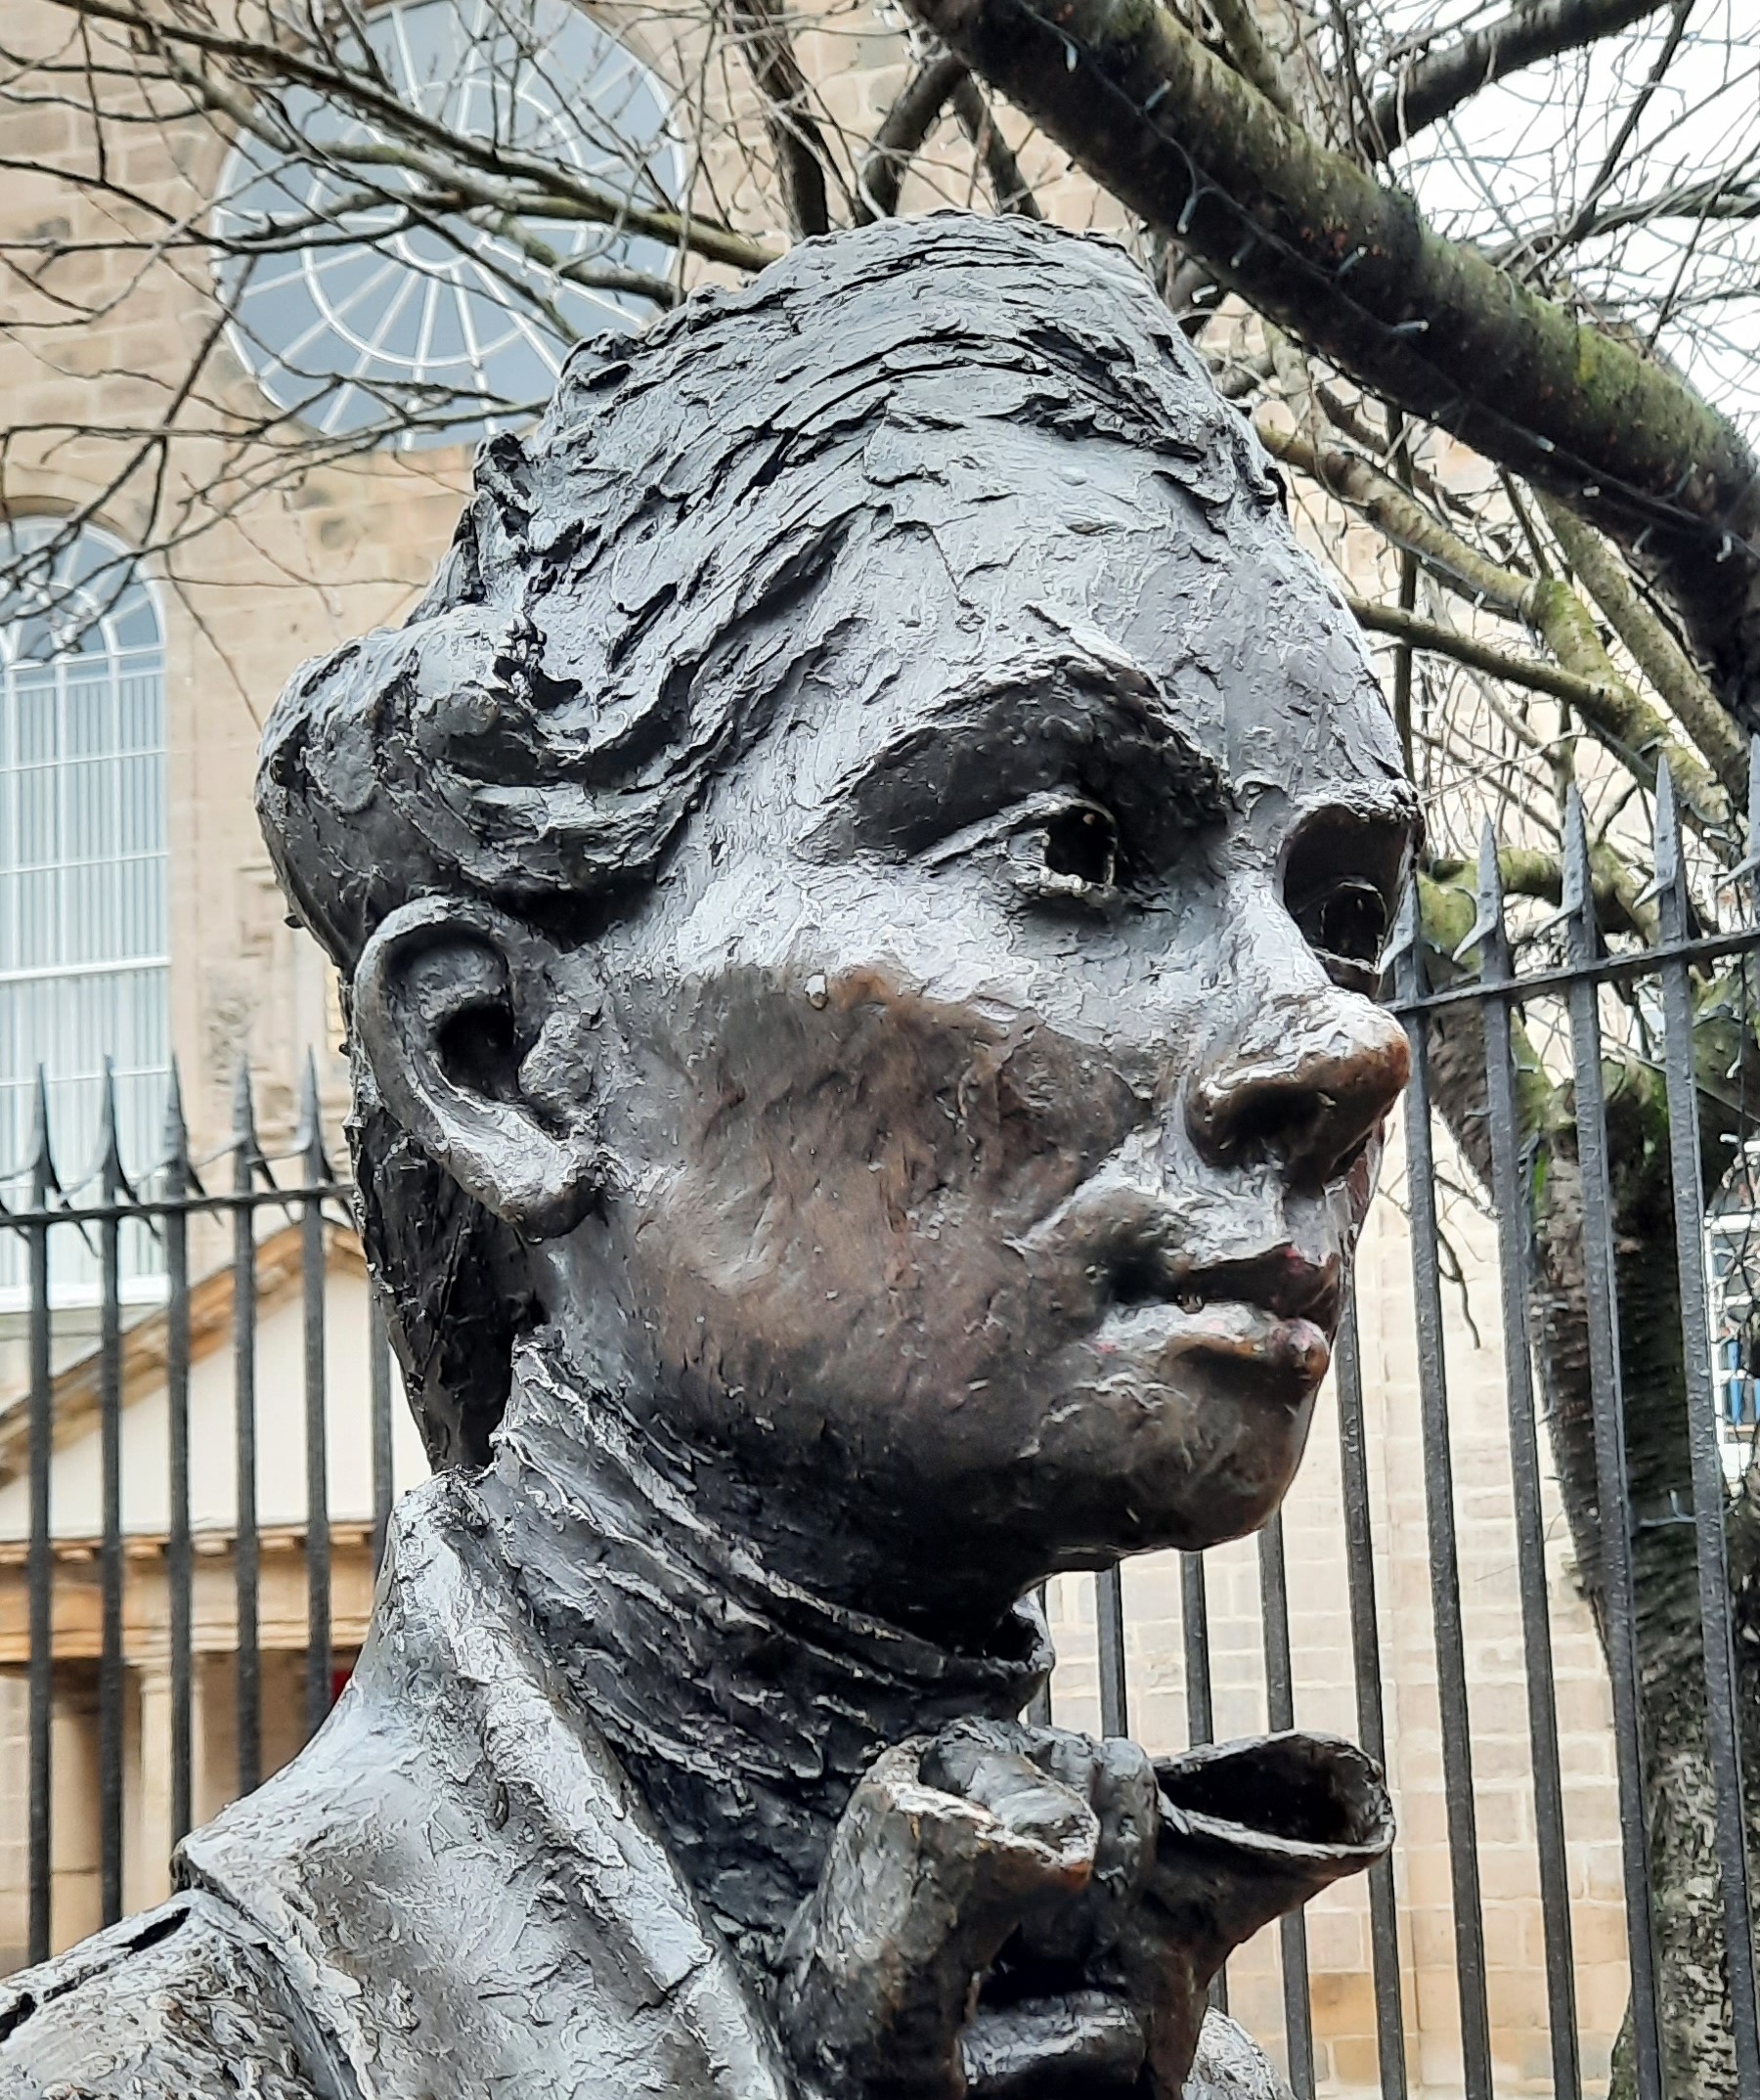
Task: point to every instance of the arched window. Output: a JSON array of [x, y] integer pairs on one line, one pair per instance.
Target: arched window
[[83, 966], [414, 324]]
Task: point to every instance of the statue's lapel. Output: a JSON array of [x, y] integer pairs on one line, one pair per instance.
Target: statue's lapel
[[465, 1893]]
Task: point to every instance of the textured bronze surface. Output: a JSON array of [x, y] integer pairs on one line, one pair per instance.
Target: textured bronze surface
[[856, 890]]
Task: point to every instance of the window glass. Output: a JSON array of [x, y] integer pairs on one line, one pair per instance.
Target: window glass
[[83, 966], [413, 312]]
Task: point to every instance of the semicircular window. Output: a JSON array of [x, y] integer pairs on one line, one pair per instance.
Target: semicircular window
[[378, 313]]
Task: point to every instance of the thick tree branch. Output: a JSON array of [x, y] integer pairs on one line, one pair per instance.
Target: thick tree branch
[[1009, 191], [1638, 733], [1422, 633], [1397, 514], [1310, 239], [903, 130], [1532, 871], [1653, 648], [1430, 86], [795, 138]]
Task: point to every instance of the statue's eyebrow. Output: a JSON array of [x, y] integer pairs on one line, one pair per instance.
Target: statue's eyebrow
[[1078, 708]]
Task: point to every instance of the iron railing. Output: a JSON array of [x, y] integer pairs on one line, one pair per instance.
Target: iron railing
[[167, 1205], [1651, 1020], [1654, 982]]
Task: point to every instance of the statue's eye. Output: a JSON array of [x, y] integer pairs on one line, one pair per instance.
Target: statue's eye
[[1082, 842], [1345, 924], [1055, 847], [1066, 847]]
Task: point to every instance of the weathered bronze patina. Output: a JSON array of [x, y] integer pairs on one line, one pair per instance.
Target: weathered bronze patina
[[857, 891]]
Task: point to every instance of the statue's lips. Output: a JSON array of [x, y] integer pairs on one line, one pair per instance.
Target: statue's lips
[[1291, 1354]]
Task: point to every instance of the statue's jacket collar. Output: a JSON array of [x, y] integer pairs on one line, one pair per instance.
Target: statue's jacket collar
[[463, 1888]]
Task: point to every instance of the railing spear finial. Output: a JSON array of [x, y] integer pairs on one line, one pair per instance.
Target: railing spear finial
[[1578, 898], [1577, 889], [109, 1166], [43, 1176], [1402, 955], [246, 1152], [1487, 931], [1667, 879], [176, 1133], [310, 1141]]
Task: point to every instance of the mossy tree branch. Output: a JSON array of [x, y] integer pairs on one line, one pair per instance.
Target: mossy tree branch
[[1655, 650], [1314, 243], [1632, 728]]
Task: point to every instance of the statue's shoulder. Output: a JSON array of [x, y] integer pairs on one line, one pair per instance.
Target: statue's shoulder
[[164, 2006]]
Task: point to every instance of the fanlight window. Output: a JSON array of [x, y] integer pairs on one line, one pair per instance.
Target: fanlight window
[[421, 323], [83, 965]]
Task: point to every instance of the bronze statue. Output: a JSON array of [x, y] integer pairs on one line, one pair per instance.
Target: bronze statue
[[858, 890]]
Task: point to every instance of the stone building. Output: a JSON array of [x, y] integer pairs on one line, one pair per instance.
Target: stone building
[[139, 920]]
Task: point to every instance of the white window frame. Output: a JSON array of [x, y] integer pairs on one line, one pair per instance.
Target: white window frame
[[101, 985]]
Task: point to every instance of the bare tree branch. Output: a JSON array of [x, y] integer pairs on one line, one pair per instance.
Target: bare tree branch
[[1433, 85], [1628, 124], [397, 120], [802, 156], [910, 119], [1722, 197], [1008, 191], [1314, 243]]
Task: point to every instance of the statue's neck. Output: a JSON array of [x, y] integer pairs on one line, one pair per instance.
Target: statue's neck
[[744, 1707]]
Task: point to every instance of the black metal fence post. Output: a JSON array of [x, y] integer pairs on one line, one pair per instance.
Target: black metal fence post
[[1109, 1651], [317, 1437], [1612, 1495], [1201, 1712], [1444, 1555], [1709, 1496], [1280, 1713], [180, 1563], [40, 1549], [1510, 1196], [111, 1186], [1365, 1643], [247, 1157]]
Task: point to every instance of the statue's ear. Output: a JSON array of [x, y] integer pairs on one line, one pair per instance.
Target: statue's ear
[[469, 1037]]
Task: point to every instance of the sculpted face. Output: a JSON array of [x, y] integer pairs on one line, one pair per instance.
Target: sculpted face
[[990, 1087], [859, 888]]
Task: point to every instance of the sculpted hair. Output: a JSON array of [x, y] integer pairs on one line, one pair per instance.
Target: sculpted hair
[[630, 590]]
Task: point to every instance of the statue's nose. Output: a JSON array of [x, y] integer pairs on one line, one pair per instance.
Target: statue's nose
[[1305, 1083]]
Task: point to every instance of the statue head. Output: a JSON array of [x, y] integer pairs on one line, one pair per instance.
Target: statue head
[[859, 891]]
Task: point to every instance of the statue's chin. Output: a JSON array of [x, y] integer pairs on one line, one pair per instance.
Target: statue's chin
[[1144, 1462]]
